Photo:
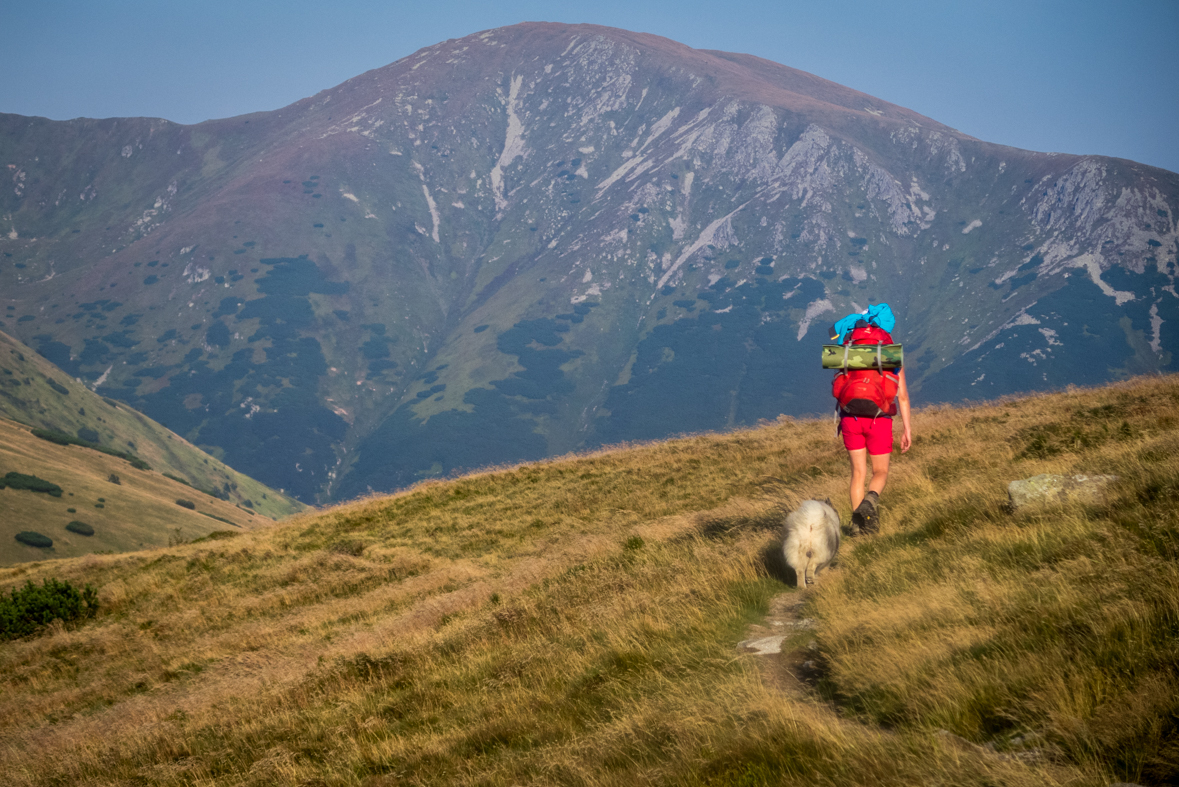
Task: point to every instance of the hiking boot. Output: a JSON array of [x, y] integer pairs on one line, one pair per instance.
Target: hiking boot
[[865, 519]]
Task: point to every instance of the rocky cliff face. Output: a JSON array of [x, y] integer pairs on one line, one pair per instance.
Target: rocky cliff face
[[547, 237]]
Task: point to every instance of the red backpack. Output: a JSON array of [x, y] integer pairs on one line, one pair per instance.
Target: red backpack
[[867, 393]]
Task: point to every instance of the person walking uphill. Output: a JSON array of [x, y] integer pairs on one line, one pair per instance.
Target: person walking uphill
[[870, 389]]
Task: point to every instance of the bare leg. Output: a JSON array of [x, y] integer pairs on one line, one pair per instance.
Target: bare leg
[[859, 471], [879, 472]]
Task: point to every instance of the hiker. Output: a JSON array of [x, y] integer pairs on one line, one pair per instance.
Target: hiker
[[867, 401]]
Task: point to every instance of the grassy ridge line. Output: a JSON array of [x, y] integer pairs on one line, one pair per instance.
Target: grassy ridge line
[[508, 627], [139, 512], [35, 392]]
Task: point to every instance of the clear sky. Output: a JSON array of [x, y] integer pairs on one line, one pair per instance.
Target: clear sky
[[1077, 76]]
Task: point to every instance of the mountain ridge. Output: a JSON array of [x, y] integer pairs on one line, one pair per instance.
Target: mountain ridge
[[545, 237]]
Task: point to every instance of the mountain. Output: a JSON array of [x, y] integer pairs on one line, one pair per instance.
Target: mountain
[[582, 620], [37, 395], [549, 237]]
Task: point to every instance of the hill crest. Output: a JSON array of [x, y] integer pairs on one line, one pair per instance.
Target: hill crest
[[438, 636]]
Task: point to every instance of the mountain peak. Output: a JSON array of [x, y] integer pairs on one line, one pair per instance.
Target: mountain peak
[[546, 237]]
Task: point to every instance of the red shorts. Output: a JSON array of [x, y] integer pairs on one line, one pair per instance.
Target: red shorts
[[875, 434]]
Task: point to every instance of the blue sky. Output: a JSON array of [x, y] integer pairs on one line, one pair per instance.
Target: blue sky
[[1073, 77]]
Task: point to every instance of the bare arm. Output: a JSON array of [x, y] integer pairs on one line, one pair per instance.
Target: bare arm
[[903, 406]]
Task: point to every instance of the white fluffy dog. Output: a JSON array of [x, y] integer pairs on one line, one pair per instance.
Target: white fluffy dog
[[812, 539]]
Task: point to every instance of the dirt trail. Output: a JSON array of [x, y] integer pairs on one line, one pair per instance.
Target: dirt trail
[[784, 647], [787, 654]]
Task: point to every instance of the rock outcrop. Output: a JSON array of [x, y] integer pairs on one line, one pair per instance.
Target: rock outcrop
[[1048, 488]]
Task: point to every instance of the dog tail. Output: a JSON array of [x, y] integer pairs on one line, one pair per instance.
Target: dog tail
[[810, 567]]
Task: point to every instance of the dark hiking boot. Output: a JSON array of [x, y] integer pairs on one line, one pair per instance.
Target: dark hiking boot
[[865, 519], [856, 527]]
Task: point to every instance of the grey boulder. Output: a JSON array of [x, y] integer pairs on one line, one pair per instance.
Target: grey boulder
[[1057, 489]]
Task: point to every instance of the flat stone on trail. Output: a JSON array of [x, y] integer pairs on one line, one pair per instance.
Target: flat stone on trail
[[1057, 488], [766, 646]]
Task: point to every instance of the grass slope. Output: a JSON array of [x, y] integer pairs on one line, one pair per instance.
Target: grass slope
[[138, 512], [574, 622], [35, 392]]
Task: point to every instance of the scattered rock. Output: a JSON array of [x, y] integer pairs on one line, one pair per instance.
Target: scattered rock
[[1057, 488], [764, 646]]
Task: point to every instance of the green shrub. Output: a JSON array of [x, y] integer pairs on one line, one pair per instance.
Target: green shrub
[[34, 539], [114, 479], [32, 483], [71, 510], [61, 438], [217, 493], [81, 528], [191, 506], [31, 607]]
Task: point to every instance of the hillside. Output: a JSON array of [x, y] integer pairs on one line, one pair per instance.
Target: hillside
[[545, 238], [139, 511], [35, 393], [576, 621]]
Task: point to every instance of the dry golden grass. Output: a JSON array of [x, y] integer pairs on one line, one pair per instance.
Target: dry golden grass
[[139, 512], [574, 621], [38, 394]]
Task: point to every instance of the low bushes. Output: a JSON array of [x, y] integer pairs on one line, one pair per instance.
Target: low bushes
[[33, 607], [81, 528], [34, 539], [61, 438], [31, 483], [217, 493], [191, 506]]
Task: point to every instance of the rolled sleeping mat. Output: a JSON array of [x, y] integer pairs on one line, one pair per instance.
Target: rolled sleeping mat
[[863, 356]]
